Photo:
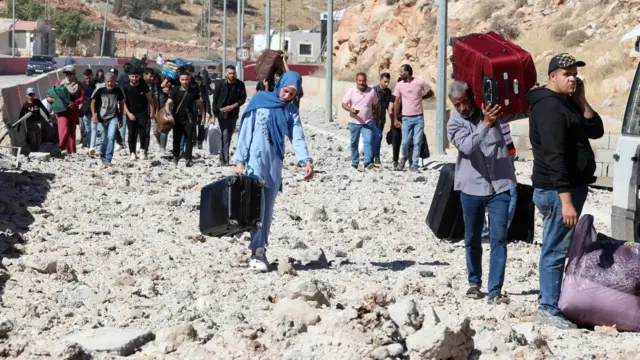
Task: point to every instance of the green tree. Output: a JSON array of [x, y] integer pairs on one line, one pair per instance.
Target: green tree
[[71, 27], [30, 10]]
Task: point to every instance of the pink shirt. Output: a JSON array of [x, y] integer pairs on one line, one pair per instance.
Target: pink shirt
[[362, 101], [411, 94]]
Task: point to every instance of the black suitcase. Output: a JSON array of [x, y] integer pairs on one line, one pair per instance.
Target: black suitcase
[[523, 223], [231, 206], [445, 213]]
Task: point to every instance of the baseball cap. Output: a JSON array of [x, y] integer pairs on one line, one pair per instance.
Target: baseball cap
[[562, 61], [31, 91], [113, 70], [69, 69]]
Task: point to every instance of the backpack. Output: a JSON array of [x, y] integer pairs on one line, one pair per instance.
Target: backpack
[[268, 61]]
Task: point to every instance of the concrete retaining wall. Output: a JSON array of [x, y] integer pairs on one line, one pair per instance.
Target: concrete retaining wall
[[603, 148]]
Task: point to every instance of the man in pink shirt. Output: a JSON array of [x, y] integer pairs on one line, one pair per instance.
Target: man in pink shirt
[[411, 91], [362, 104]]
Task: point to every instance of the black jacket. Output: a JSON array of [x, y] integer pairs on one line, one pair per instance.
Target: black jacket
[[237, 94], [559, 134]]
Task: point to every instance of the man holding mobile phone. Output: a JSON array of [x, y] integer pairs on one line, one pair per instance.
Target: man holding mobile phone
[[362, 104], [560, 126]]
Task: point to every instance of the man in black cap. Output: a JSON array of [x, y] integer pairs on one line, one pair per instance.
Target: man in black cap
[[560, 126]]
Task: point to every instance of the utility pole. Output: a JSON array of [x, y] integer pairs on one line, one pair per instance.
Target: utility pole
[[104, 28], [13, 31], [239, 37], [267, 36], [209, 28], [442, 77], [224, 36], [312, 15], [242, 38], [329, 64]]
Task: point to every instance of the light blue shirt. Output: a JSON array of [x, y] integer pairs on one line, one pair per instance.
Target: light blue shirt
[[255, 150]]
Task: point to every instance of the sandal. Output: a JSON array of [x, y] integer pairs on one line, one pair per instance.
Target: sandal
[[498, 299], [474, 292]]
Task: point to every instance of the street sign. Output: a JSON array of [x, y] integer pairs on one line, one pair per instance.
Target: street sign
[[243, 54]]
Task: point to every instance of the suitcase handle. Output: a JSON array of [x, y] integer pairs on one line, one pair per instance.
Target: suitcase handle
[[506, 89]]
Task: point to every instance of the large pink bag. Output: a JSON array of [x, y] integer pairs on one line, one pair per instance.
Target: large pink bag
[[602, 280]]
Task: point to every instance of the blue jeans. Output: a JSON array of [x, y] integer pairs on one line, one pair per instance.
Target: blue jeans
[[123, 131], [367, 134], [108, 129], [473, 208], [512, 210], [86, 130], [412, 128], [556, 238], [377, 141]]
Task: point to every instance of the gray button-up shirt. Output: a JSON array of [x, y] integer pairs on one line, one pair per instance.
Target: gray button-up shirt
[[483, 166]]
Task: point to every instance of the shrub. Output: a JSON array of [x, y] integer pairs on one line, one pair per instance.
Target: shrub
[[168, 5], [505, 28], [72, 26], [391, 2], [520, 3], [487, 9], [559, 31], [137, 9], [575, 38]]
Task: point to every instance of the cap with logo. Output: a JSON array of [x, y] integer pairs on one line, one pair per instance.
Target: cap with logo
[[31, 91], [563, 61], [69, 69]]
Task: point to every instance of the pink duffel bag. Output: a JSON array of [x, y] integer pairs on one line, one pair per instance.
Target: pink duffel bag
[[602, 280]]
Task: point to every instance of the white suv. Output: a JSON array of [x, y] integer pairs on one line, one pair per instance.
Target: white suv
[[625, 214]]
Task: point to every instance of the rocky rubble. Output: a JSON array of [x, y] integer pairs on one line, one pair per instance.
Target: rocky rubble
[[107, 263]]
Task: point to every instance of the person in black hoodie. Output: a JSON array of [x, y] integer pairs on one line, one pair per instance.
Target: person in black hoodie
[[560, 126]]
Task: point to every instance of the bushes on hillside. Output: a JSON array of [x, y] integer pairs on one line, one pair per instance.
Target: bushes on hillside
[[505, 28], [560, 30], [575, 38]]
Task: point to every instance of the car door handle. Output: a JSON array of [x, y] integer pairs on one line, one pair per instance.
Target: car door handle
[[634, 159], [616, 157]]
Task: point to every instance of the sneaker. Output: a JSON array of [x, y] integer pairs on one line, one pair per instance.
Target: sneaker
[[414, 169], [92, 152], [402, 163], [354, 166], [259, 261], [106, 162], [133, 157], [199, 145], [175, 160], [474, 292], [189, 163], [559, 321], [498, 299], [143, 156], [396, 166], [64, 153], [377, 161], [117, 148], [370, 166]]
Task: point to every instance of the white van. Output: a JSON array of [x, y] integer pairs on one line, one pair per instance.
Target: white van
[[625, 214]]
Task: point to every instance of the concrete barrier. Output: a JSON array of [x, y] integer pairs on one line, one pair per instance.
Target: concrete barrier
[[13, 66]]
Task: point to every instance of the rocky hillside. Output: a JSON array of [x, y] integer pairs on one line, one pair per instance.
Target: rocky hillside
[[175, 32], [379, 35]]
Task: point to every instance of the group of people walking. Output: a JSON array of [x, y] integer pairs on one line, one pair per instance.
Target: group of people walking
[[114, 106], [368, 109], [561, 123]]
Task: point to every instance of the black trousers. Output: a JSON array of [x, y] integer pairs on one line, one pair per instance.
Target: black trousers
[[186, 128], [227, 127], [201, 133], [139, 128]]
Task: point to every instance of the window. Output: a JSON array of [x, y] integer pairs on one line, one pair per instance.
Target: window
[[286, 45], [631, 121], [305, 49]]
